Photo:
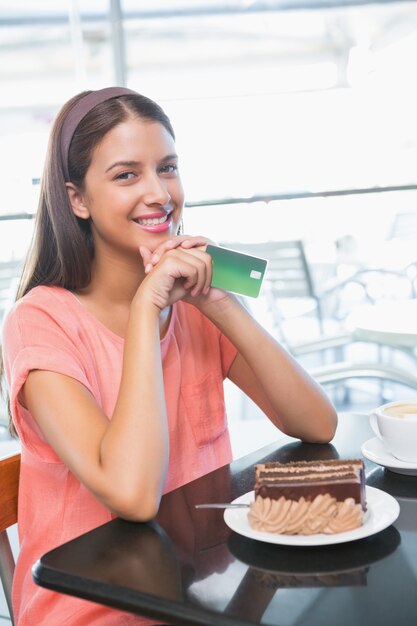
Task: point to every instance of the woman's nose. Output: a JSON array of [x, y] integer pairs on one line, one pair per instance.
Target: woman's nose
[[156, 191]]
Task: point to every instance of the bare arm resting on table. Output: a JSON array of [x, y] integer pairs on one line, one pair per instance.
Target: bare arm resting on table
[[291, 399]]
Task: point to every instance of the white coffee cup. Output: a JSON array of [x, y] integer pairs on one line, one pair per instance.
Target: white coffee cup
[[395, 424]]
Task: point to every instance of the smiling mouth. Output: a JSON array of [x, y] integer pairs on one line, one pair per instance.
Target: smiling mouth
[[152, 221]]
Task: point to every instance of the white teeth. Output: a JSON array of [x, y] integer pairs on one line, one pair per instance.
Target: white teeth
[[153, 221]]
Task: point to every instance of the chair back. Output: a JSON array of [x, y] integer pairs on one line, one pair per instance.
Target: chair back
[[369, 286], [289, 285], [9, 488], [287, 269]]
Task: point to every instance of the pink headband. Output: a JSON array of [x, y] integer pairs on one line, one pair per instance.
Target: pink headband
[[79, 111]]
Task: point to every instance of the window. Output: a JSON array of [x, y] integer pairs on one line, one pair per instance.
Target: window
[[265, 102]]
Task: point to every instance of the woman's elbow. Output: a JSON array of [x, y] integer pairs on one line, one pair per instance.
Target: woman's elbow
[[135, 507], [327, 428]]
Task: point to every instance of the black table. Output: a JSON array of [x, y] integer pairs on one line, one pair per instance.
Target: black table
[[187, 567]]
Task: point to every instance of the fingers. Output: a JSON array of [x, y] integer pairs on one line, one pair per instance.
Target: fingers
[[198, 253], [195, 242], [146, 256], [185, 273], [200, 281], [184, 241], [196, 271], [170, 244], [189, 253]]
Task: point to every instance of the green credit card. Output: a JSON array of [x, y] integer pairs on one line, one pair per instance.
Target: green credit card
[[237, 272]]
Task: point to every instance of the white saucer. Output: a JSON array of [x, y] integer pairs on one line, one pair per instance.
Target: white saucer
[[374, 450], [382, 511]]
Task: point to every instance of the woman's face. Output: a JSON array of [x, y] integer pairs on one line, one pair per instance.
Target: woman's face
[[133, 193]]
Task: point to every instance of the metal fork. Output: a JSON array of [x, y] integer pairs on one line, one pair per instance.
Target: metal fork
[[223, 505]]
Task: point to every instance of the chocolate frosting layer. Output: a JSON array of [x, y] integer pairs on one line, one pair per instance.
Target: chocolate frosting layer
[[308, 479]]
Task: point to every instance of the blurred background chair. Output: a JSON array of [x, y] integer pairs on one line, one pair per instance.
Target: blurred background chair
[[382, 379], [339, 355], [367, 286], [377, 340], [289, 288]]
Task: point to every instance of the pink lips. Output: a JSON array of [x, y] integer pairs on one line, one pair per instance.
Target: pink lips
[[155, 228]]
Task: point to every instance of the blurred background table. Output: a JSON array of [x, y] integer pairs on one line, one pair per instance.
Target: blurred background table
[[390, 323]]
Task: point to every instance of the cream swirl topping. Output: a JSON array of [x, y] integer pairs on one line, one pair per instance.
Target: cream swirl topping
[[324, 514]]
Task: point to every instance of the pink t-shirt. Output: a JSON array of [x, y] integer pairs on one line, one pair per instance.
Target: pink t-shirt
[[49, 329]]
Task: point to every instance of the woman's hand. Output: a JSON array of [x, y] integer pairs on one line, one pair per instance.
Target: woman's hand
[[176, 276], [150, 259], [184, 271]]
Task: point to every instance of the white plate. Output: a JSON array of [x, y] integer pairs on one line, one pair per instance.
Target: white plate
[[374, 450], [382, 511]]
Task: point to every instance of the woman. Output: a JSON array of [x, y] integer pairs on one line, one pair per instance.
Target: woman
[[117, 347]]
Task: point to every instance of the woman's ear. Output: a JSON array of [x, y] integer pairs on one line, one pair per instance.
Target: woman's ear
[[76, 199]]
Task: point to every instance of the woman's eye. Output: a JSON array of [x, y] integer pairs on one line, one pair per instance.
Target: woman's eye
[[169, 168], [125, 176]]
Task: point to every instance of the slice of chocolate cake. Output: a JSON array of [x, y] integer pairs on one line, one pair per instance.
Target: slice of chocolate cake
[[308, 497]]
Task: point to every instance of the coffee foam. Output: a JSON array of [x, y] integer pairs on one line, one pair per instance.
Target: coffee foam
[[401, 410]]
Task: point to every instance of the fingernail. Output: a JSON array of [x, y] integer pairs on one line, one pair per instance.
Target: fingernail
[[148, 268], [155, 258]]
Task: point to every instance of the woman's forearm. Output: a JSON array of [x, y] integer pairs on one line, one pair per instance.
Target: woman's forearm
[[135, 446], [296, 403]]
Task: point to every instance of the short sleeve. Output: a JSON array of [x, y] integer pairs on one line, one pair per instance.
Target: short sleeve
[[36, 339]]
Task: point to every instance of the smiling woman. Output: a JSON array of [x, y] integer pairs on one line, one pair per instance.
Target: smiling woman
[[141, 188], [117, 347]]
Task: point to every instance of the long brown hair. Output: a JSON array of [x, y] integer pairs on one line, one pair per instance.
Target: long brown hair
[[62, 246]]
